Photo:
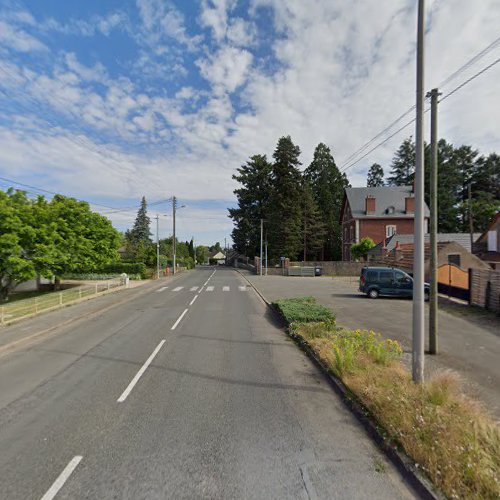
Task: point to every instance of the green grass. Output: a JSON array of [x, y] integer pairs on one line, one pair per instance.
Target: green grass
[[451, 438], [303, 310]]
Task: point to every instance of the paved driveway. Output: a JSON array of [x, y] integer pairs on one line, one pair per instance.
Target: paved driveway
[[468, 348]]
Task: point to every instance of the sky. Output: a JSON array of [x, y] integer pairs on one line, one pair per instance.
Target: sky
[[111, 100]]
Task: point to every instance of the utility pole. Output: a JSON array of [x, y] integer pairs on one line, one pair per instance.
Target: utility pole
[[225, 251], [418, 262], [266, 251], [471, 216], [157, 248], [261, 237], [174, 206], [433, 299]]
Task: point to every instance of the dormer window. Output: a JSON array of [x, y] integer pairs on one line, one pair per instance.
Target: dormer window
[[390, 210]]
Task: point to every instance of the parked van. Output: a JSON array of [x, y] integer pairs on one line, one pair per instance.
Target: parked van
[[375, 281]]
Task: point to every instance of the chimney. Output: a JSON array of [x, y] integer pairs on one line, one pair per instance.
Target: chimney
[[410, 205], [370, 205]]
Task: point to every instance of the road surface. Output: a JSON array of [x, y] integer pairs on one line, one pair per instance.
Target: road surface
[[187, 391]]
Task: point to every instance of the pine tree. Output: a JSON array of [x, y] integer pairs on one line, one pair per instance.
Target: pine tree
[[253, 198], [375, 176], [328, 184], [284, 214], [140, 232], [403, 165], [313, 227]]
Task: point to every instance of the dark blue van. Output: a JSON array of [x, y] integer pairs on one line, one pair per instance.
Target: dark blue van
[[389, 281]]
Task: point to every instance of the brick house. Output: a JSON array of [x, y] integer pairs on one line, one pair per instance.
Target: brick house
[[377, 213]]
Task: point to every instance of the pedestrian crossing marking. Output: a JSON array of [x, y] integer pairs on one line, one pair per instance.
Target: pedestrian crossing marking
[[242, 288], [162, 289], [210, 288], [178, 289], [193, 289], [225, 289]]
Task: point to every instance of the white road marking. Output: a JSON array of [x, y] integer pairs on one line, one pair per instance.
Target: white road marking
[[162, 288], [226, 289], [193, 289], [242, 288], [177, 289], [63, 477], [210, 288], [139, 374], [194, 298], [179, 319]]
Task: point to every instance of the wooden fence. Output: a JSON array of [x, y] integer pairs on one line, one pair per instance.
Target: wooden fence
[[453, 281], [485, 289]]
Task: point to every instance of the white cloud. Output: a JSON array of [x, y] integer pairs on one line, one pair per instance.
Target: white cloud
[[227, 69], [17, 39]]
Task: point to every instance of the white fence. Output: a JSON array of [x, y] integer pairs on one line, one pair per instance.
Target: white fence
[[25, 308]]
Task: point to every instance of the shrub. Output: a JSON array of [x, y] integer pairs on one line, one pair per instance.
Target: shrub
[[303, 310], [125, 267]]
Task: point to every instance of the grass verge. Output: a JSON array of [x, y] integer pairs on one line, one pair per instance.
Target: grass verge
[[451, 438], [303, 309]]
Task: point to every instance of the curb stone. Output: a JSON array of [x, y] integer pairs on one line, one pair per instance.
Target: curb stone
[[403, 462]]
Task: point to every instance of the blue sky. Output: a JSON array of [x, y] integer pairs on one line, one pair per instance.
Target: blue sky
[[111, 100]]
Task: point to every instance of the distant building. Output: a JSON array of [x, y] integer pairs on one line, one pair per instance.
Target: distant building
[[487, 246], [377, 213], [219, 257]]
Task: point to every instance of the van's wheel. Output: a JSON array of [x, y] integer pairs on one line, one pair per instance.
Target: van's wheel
[[373, 293], [427, 296]]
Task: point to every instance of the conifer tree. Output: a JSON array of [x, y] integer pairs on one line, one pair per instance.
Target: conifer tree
[[375, 176], [403, 165]]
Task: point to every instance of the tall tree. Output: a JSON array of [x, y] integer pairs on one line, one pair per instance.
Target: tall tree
[[253, 199], [375, 176], [328, 185], [284, 214], [141, 230], [313, 226], [403, 165]]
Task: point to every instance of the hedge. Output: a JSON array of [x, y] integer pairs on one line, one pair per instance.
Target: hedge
[[303, 310]]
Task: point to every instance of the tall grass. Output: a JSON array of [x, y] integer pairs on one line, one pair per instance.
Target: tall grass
[[450, 437]]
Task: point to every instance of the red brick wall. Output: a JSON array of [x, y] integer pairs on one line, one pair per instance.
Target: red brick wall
[[375, 228], [346, 242]]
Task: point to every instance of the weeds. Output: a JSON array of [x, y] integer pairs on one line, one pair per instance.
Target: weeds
[[450, 438]]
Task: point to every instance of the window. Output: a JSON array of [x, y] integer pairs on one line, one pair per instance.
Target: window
[[352, 233], [389, 231], [371, 276], [454, 258], [401, 277], [385, 277]]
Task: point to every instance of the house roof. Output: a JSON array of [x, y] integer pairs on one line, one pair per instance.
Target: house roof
[[489, 228], [390, 243], [218, 255], [386, 197]]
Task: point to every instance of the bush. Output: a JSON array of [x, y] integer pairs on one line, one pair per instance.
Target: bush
[[125, 267], [303, 310]]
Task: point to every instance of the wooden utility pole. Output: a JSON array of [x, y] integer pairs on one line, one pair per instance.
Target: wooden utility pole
[[174, 207], [471, 217], [433, 299]]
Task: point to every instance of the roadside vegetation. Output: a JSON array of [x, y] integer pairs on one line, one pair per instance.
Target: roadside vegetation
[[451, 438]]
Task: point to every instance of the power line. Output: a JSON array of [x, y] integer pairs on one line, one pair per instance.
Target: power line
[[38, 190], [473, 77], [470, 62], [348, 162]]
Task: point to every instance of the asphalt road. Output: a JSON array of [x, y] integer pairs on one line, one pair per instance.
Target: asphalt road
[[469, 349], [183, 392]]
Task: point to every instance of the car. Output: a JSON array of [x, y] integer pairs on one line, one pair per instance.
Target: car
[[388, 281]]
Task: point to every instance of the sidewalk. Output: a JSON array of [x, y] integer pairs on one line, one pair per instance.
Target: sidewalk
[[469, 347]]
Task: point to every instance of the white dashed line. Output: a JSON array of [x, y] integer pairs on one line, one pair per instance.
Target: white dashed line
[[179, 319], [162, 288], [226, 289], [63, 477], [194, 298], [177, 289], [138, 375]]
